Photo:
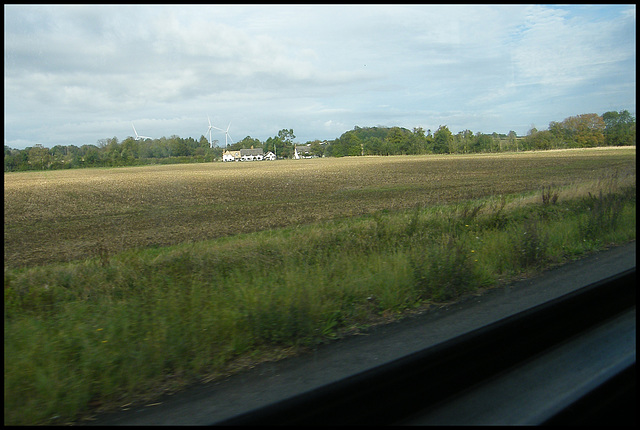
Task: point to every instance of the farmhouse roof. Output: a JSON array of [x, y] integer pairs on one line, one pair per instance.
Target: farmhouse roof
[[252, 151]]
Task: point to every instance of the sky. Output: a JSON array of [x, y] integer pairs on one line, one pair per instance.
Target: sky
[[74, 74]]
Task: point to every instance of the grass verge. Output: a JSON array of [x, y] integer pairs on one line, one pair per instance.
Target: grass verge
[[103, 332]]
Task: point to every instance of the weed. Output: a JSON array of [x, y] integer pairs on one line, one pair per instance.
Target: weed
[[331, 324], [549, 197], [413, 225], [469, 211], [530, 244], [101, 252], [444, 272], [603, 214], [278, 323], [497, 218]]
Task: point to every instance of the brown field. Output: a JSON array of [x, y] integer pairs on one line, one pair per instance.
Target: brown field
[[65, 215]]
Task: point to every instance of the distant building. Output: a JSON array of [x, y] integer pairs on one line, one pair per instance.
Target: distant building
[[270, 156], [253, 154], [231, 155], [303, 151]]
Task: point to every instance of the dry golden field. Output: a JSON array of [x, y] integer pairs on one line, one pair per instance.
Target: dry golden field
[[64, 215]]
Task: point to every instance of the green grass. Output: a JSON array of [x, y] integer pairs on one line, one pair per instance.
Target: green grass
[[102, 332]]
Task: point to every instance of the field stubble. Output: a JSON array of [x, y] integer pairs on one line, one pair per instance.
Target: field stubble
[[66, 215]]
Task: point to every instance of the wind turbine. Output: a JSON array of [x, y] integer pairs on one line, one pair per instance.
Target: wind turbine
[[226, 135], [139, 137], [209, 131]]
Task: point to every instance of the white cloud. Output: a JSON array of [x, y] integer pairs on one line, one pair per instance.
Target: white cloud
[[558, 50], [322, 68]]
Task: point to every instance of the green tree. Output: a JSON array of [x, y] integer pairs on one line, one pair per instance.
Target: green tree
[[10, 159], [620, 128], [483, 143], [285, 138], [467, 141], [160, 148], [22, 160], [338, 148], [373, 146], [495, 142], [271, 145], [442, 139], [204, 142], [317, 148], [90, 155], [57, 154], [580, 131], [215, 153], [39, 157], [144, 148], [559, 132], [129, 150], [178, 147], [249, 142], [58, 151], [418, 141], [111, 150], [539, 140], [398, 141], [353, 145], [512, 142], [73, 157], [235, 146]]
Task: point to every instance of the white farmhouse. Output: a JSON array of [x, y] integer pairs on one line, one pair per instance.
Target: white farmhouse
[[231, 155], [252, 154]]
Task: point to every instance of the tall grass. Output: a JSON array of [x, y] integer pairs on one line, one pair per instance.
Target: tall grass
[[121, 327]]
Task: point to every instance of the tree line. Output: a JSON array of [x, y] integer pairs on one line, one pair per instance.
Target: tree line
[[581, 131]]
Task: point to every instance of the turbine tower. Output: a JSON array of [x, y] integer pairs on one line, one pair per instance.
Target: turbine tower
[[209, 131], [226, 135], [139, 137]]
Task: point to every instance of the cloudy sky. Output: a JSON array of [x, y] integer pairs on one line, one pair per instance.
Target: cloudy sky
[[78, 74]]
